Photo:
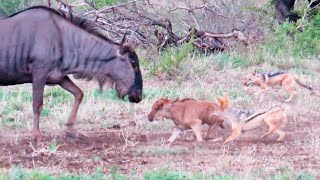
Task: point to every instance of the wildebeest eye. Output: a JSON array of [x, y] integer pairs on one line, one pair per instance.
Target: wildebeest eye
[[133, 63]]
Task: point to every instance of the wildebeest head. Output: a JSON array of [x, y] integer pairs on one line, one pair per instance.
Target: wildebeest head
[[250, 79], [157, 107], [126, 74]]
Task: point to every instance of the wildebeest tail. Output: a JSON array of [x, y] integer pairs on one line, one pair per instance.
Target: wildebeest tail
[[301, 84]]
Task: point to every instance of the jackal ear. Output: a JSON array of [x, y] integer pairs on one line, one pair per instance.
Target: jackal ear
[[255, 72]]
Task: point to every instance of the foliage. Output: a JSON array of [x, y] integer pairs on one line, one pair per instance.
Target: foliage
[[9, 7], [103, 3], [171, 60], [301, 39]]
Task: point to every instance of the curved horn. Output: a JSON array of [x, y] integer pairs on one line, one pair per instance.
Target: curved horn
[[124, 39]]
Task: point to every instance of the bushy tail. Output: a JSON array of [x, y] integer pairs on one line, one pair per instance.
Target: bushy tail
[[303, 85]]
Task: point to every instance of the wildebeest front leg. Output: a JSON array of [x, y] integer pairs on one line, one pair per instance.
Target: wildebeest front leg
[[68, 85]]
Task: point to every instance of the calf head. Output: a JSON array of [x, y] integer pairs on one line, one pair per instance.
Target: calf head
[[157, 108]]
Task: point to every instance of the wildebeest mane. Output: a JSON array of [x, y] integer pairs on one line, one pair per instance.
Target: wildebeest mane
[[85, 24], [35, 7]]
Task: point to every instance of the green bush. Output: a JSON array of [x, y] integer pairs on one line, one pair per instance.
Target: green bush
[[291, 38], [9, 7], [103, 3]]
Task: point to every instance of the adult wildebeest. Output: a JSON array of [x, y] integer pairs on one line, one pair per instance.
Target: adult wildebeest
[[40, 46], [283, 9]]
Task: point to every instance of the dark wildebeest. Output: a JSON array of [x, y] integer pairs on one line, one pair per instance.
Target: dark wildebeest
[[283, 9], [41, 47]]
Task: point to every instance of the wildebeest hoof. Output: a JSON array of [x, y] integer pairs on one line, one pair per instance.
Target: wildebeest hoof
[[71, 133], [74, 134]]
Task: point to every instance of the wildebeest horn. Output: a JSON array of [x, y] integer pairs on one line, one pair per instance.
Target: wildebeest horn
[[124, 39]]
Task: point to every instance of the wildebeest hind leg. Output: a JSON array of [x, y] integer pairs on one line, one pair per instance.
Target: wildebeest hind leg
[[37, 93], [68, 85]]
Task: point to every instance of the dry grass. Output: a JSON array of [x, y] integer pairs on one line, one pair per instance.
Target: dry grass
[[139, 146]]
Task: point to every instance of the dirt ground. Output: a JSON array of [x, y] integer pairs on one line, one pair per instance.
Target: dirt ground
[[105, 147]]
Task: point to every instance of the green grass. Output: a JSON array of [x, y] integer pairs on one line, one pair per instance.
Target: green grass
[[159, 151], [56, 95], [19, 173]]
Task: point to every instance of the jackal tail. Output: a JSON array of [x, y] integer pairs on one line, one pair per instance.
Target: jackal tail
[[303, 85]]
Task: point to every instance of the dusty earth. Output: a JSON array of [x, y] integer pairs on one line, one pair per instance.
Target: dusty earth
[[121, 136], [143, 152]]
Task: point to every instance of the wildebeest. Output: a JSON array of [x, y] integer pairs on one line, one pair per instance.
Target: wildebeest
[[40, 46], [283, 9]]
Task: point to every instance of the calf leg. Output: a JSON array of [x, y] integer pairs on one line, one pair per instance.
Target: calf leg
[[68, 85], [196, 127], [174, 135]]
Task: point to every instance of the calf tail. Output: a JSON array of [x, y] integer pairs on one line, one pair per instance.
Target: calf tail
[[303, 85]]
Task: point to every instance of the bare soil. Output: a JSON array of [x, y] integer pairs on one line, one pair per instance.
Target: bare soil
[[105, 147]]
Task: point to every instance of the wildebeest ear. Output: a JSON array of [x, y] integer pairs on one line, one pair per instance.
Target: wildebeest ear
[[124, 39], [124, 50]]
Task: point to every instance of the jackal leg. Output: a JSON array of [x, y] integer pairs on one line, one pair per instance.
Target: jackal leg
[[261, 92], [290, 91], [271, 129], [281, 133], [236, 131]]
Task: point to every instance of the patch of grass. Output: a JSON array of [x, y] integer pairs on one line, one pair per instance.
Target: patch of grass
[[57, 95], [116, 174], [160, 151], [45, 112], [166, 174], [171, 60], [227, 60], [109, 94], [284, 174], [12, 107], [155, 93], [10, 95]]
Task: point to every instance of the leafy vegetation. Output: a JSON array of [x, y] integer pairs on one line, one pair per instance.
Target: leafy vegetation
[[9, 7], [103, 3]]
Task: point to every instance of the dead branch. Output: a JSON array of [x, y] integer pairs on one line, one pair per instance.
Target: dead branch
[[157, 27], [234, 33]]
